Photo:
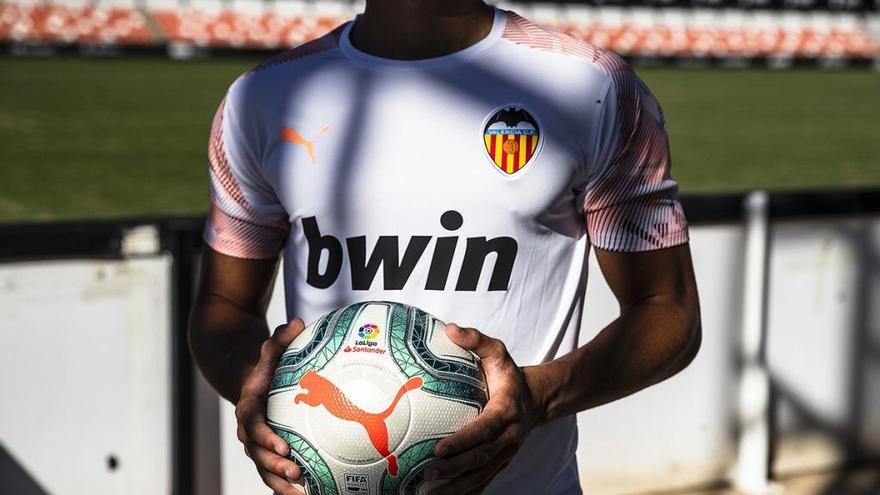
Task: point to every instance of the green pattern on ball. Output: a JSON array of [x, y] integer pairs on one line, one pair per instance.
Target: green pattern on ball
[[292, 359], [410, 472], [444, 377], [316, 473], [408, 333], [315, 355]]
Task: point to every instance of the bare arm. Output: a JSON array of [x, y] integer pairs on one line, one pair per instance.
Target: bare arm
[[230, 341], [658, 330], [656, 335], [228, 320]]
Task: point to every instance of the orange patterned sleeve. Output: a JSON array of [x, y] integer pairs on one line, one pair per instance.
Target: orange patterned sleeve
[[631, 202], [246, 220]]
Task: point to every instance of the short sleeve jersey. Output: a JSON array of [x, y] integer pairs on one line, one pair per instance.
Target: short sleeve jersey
[[470, 185]]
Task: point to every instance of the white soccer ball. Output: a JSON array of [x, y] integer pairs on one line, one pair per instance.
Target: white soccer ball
[[364, 394]]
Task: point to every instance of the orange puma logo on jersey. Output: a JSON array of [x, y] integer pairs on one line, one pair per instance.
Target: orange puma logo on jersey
[[321, 392], [293, 136]]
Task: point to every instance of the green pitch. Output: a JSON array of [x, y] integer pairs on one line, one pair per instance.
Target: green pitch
[[84, 138]]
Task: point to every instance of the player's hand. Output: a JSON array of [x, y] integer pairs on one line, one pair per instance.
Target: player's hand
[[268, 451], [472, 456]]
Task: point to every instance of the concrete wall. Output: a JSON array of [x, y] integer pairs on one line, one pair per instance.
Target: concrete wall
[[85, 376]]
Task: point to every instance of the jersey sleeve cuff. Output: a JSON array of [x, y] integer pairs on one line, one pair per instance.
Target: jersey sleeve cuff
[[635, 226], [241, 239]]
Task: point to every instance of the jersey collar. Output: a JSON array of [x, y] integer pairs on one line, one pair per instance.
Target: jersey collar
[[365, 59]]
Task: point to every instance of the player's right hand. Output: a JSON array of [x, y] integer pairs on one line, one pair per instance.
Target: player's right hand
[[268, 451]]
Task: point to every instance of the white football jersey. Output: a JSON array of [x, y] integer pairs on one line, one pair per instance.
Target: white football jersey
[[469, 185]]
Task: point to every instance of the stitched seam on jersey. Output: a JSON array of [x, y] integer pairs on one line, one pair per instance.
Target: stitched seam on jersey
[[325, 43]]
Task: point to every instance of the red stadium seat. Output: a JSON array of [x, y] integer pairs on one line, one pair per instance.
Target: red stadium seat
[[255, 24], [85, 23]]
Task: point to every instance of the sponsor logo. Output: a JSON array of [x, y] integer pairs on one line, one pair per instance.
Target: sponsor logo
[[396, 270], [319, 391], [357, 483], [367, 342], [512, 138], [369, 331], [363, 348], [293, 136]]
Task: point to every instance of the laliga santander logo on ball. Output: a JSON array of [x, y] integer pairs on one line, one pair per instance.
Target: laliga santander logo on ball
[[368, 331], [367, 335]]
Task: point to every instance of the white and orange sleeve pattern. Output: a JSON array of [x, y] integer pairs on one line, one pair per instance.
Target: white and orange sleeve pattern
[[246, 219], [631, 201], [629, 198]]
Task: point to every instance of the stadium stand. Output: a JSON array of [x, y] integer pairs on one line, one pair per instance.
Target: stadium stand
[[848, 32], [74, 22]]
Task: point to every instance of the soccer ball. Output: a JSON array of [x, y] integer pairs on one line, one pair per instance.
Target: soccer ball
[[363, 394]]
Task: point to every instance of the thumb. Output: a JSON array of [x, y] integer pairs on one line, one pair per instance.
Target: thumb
[[260, 376], [285, 334], [473, 340]]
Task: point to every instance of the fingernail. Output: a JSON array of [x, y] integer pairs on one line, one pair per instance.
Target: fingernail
[[280, 451], [440, 451], [431, 474], [299, 489]]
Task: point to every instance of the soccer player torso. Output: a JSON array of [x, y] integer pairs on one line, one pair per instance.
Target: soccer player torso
[[459, 185], [449, 183], [403, 153]]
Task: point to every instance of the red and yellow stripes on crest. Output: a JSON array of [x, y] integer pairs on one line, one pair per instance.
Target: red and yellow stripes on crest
[[508, 162]]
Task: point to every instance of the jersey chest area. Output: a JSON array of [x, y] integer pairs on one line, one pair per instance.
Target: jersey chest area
[[394, 146]]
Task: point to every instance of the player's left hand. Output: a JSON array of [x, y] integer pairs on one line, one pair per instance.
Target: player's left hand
[[472, 456]]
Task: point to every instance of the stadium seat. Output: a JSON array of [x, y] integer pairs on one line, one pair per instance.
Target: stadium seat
[[73, 22], [673, 32]]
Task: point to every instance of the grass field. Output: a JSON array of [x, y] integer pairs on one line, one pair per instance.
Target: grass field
[[85, 138]]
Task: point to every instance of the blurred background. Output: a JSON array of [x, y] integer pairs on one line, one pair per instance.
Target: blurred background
[[774, 121]]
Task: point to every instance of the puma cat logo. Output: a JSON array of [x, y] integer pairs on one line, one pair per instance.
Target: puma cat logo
[[293, 136], [319, 391]]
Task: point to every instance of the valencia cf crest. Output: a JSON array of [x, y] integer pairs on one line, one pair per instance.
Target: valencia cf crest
[[512, 138]]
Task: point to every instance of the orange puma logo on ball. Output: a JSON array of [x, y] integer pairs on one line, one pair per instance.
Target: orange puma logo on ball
[[319, 391]]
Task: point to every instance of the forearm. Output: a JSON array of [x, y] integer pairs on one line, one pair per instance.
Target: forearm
[[649, 342], [225, 342]]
